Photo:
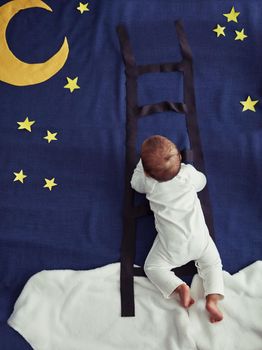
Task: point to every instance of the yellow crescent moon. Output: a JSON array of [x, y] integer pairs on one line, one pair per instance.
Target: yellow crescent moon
[[16, 72]]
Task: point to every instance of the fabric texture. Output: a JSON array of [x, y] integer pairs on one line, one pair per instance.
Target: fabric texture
[[65, 310]]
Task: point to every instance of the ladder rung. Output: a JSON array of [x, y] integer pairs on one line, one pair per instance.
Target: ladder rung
[[160, 67], [139, 271], [177, 107], [141, 210]]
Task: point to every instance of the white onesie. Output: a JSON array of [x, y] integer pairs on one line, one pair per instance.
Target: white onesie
[[182, 232]]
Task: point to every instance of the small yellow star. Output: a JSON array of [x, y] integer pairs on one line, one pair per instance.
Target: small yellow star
[[50, 183], [232, 15], [249, 104], [20, 176], [240, 35], [26, 124], [72, 84], [219, 30], [50, 136], [83, 7]]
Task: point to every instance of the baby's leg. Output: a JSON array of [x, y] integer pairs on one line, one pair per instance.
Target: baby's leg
[[211, 306], [158, 270], [184, 294], [169, 284], [210, 270]]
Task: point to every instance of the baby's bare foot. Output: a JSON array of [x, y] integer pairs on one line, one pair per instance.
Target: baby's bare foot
[[184, 294], [211, 306]]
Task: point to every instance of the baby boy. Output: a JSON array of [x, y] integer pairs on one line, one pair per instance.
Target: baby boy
[[182, 235]]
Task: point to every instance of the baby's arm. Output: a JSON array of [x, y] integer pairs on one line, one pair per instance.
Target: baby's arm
[[198, 179], [138, 178]]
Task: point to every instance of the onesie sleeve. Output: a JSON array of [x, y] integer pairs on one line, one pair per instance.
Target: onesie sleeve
[[138, 178], [197, 178]]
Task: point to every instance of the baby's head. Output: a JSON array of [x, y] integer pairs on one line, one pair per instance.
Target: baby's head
[[160, 158]]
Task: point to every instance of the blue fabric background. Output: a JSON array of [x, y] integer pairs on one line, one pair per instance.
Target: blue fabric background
[[78, 225]]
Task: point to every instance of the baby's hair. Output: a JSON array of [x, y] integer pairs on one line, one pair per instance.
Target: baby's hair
[[160, 158]]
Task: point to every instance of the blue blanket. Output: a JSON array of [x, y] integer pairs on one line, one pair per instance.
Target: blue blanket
[[67, 212]]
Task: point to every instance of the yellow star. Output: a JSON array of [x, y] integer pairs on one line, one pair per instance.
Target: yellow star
[[20, 176], [240, 35], [50, 136], [26, 124], [83, 7], [50, 183], [249, 104], [232, 15], [72, 84], [219, 30]]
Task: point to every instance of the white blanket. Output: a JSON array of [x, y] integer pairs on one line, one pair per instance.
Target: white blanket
[[80, 310]]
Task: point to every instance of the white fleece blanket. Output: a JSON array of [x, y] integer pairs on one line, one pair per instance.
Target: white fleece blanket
[[80, 310]]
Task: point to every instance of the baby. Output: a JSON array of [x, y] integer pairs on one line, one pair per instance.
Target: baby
[[171, 188]]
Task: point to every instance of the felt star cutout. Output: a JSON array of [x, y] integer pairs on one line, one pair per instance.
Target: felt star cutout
[[26, 124], [50, 183], [20, 176], [50, 136], [219, 30], [240, 35], [72, 84], [249, 104], [83, 7], [232, 15]]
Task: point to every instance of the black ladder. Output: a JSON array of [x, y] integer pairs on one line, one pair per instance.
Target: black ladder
[[133, 113]]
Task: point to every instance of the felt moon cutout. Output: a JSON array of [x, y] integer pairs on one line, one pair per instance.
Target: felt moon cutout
[[16, 72]]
